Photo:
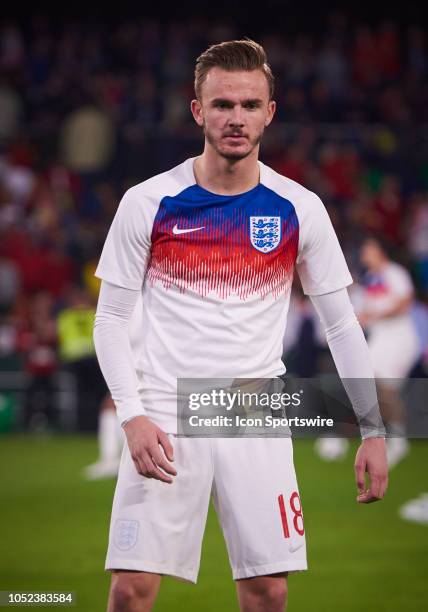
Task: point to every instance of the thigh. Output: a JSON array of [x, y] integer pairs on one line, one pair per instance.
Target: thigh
[[158, 527], [258, 503]]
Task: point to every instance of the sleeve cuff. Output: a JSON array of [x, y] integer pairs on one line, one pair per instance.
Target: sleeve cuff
[[128, 409]]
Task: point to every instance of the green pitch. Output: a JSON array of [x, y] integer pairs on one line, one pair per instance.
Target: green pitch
[[53, 532]]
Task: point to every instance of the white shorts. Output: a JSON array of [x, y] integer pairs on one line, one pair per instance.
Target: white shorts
[[158, 527], [393, 356]]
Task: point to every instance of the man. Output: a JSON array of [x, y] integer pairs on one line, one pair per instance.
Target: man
[[215, 297], [386, 301], [110, 443], [383, 304]]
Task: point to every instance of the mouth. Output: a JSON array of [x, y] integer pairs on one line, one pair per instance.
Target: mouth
[[235, 136]]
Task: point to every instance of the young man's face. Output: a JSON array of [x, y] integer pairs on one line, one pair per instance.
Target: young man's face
[[234, 110], [371, 254]]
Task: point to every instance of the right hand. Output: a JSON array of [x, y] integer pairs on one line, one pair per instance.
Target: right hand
[[150, 449]]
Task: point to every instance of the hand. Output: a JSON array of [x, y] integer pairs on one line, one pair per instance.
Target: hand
[[150, 448], [366, 317], [371, 458]]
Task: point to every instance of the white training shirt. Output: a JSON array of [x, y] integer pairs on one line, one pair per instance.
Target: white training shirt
[[381, 292], [215, 273]]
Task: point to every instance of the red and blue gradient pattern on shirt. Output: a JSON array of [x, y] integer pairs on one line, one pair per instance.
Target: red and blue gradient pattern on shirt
[[244, 244], [375, 285]]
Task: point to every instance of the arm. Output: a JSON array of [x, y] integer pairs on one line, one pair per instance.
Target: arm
[[401, 306], [324, 275], [351, 356], [114, 310]]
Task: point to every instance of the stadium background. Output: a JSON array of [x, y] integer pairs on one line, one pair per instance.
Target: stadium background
[[93, 103]]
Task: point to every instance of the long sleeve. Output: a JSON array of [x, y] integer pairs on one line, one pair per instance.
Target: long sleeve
[[114, 310], [351, 355]]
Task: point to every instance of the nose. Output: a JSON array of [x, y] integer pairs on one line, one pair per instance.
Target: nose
[[236, 117]]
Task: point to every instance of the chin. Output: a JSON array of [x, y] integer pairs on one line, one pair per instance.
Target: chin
[[229, 153]]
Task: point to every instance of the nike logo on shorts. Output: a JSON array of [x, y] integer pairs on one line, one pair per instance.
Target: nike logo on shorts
[[176, 230], [293, 549]]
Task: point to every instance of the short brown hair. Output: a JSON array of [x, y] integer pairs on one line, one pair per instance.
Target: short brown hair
[[244, 54]]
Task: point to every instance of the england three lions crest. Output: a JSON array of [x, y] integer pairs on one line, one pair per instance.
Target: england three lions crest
[[265, 233]]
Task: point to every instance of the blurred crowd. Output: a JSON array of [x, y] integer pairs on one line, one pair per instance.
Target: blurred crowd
[[139, 70], [87, 110]]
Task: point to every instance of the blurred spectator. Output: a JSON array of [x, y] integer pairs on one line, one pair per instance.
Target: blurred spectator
[[293, 162], [304, 336], [341, 169], [301, 61], [388, 206], [332, 68], [417, 240], [10, 335], [365, 58], [75, 329], [10, 111], [17, 178], [417, 52], [388, 49], [87, 139], [9, 284], [12, 49], [39, 345]]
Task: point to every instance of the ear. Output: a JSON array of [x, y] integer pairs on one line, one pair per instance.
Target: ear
[[196, 108], [270, 112]]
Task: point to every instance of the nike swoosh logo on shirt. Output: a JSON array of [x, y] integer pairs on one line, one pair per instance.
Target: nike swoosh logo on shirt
[[175, 229]]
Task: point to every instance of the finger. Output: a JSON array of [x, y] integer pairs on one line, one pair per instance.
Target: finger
[[367, 498], [136, 458], [161, 462], [360, 477], [373, 493], [375, 489], [166, 445], [384, 486], [139, 466], [362, 497], [154, 472], [372, 496]]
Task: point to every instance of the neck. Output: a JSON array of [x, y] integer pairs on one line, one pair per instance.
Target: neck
[[226, 176], [379, 266]]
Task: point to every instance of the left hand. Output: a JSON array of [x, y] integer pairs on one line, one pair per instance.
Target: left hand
[[371, 458]]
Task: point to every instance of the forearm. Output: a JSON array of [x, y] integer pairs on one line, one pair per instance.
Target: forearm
[[351, 356], [396, 309], [114, 311]]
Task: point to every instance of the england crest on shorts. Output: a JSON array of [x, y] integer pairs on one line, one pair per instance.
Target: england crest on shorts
[[125, 534], [265, 233]]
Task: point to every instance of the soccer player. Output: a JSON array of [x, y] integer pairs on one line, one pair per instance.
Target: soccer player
[[386, 301], [110, 443], [211, 246]]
